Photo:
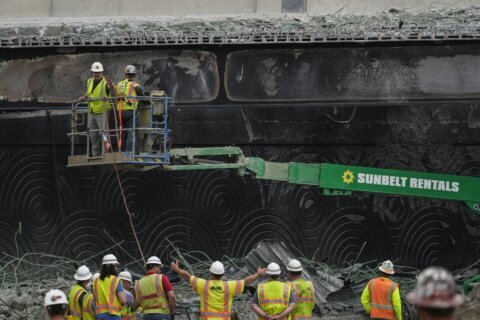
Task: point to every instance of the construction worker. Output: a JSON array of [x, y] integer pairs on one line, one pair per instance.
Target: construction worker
[[434, 295], [88, 304], [154, 292], [303, 290], [97, 87], [108, 292], [56, 304], [127, 310], [381, 297], [274, 299], [127, 107], [78, 292], [216, 295]]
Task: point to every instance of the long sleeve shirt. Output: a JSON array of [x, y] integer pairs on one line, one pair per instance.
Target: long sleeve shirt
[[396, 301]]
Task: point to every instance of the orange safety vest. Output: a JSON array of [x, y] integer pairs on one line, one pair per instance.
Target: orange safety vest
[[87, 310], [105, 295], [273, 296], [74, 309], [381, 291], [149, 292]]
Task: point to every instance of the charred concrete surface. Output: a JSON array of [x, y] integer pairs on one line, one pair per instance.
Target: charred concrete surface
[[283, 103]]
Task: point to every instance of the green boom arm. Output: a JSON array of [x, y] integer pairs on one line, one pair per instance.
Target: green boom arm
[[337, 179]]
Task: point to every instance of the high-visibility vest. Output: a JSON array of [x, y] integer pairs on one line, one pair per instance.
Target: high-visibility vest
[[381, 290], [216, 297], [100, 91], [149, 292], [74, 309], [105, 295], [127, 313], [87, 310], [273, 296], [126, 88], [304, 299]]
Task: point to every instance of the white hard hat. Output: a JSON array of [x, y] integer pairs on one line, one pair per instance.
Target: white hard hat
[[273, 269], [83, 274], [130, 69], [294, 265], [387, 267], [217, 268], [125, 275], [154, 260], [97, 67], [95, 276], [55, 296], [110, 259]]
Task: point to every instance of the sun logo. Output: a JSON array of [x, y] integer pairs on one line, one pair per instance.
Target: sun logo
[[348, 177]]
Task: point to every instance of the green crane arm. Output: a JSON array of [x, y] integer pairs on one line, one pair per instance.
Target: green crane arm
[[337, 179]]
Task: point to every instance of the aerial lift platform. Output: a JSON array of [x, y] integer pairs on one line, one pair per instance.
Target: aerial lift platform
[[152, 150]]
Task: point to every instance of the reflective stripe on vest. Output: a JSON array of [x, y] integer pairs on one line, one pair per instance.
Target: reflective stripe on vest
[[149, 292], [273, 296], [214, 304], [127, 313], [105, 295], [304, 299], [74, 308], [126, 88], [381, 291], [87, 310], [100, 91]]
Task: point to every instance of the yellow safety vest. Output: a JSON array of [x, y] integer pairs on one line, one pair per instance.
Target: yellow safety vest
[[74, 309], [216, 297], [127, 313], [149, 292], [273, 296], [87, 310], [126, 88], [105, 295], [100, 91], [304, 299]]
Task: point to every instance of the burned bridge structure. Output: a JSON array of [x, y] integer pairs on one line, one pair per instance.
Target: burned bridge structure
[[396, 91]]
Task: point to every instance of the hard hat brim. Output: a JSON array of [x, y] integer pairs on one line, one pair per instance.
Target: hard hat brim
[[386, 271], [456, 301], [84, 278], [274, 273], [129, 280], [295, 269]]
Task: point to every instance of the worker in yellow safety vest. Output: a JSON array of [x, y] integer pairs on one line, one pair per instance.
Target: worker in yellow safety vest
[[274, 299], [78, 292], [55, 304], [128, 309], [434, 296], [98, 87], [381, 297], [216, 295], [108, 293], [127, 104], [303, 289], [154, 293]]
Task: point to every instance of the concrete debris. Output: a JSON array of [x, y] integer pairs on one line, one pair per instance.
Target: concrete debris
[[471, 308], [275, 251], [244, 29]]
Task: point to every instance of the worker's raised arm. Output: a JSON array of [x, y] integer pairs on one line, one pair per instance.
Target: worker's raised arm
[[253, 277], [182, 273]]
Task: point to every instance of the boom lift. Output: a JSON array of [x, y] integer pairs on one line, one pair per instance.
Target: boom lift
[[154, 151]]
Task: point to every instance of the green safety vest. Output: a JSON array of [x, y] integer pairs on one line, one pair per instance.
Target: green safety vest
[[100, 91]]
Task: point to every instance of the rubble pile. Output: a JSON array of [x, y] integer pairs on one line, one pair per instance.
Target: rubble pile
[[243, 29]]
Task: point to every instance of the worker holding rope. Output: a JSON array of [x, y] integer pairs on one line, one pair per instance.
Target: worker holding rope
[[97, 87]]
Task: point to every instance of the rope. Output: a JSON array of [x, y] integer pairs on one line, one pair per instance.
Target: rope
[[122, 191]]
